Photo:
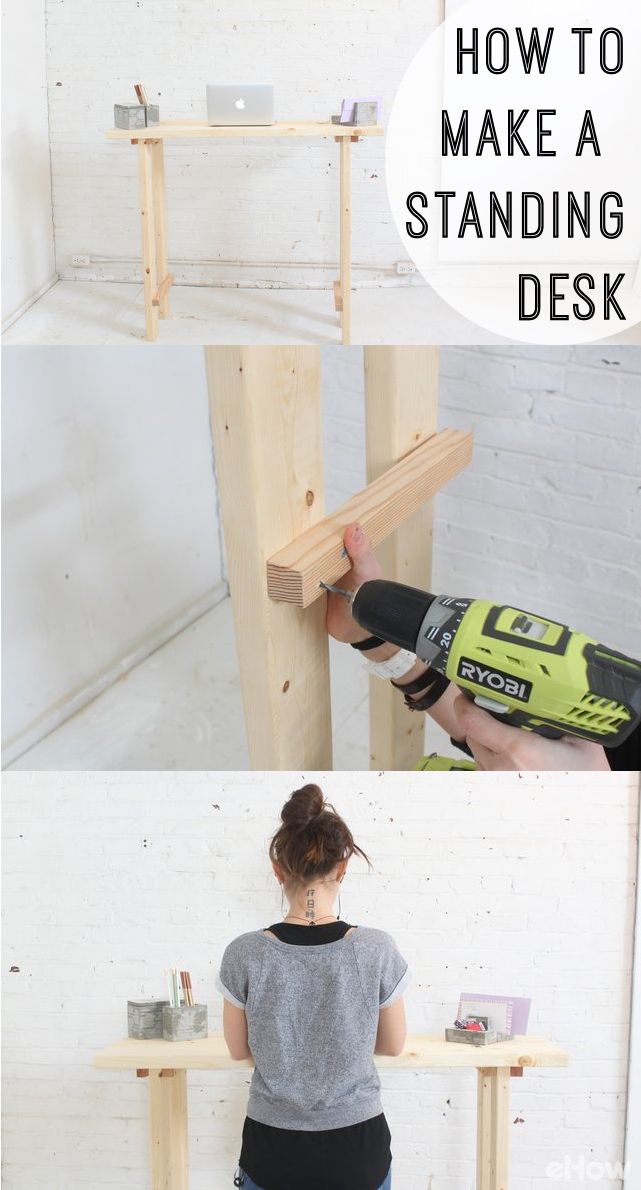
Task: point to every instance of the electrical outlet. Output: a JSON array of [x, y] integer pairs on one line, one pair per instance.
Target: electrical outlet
[[80, 261], [404, 268]]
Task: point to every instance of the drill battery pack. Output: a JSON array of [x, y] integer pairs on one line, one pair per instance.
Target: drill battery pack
[[444, 764]]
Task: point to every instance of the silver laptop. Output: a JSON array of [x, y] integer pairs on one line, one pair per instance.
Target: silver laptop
[[228, 105]]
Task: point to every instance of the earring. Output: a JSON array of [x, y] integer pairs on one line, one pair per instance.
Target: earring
[[339, 902], [282, 901]]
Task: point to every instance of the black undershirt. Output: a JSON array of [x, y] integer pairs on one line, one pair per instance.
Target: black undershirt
[[353, 1158]]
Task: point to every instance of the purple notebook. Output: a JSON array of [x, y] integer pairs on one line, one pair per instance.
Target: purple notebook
[[509, 1014]]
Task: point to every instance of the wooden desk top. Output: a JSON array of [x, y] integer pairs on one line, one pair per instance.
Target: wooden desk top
[[420, 1052], [191, 129]]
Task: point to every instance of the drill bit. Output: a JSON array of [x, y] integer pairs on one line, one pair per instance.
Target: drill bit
[[348, 595]]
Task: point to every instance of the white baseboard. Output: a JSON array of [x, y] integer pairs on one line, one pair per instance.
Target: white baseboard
[[65, 709], [252, 274], [237, 274], [11, 318]]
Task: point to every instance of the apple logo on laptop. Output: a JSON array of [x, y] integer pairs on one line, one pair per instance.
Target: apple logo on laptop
[[240, 105]]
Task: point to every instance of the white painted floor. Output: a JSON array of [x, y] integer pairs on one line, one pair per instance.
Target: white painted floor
[[181, 709], [98, 312]]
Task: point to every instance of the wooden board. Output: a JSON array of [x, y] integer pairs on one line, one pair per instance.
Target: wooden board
[[149, 243], [420, 1051], [163, 290], [492, 1129], [266, 420], [168, 1131], [190, 129], [500, 1147], [163, 276], [345, 244], [401, 400], [294, 572]]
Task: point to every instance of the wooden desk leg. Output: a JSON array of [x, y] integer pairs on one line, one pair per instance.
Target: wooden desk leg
[[160, 222], [493, 1123], [168, 1130], [345, 282], [265, 405], [149, 272]]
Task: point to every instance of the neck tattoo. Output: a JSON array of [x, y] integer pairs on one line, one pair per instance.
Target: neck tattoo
[[310, 912]]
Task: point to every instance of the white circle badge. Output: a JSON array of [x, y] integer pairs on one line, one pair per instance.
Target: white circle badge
[[513, 166]]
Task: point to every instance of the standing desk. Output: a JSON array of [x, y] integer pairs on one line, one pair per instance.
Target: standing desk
[[157, 279], [165, 1064]]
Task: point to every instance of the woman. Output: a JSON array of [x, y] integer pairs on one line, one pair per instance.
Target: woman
[[311, 999]]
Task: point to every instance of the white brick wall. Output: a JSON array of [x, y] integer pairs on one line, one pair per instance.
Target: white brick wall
[[272, 202], [548, 515], [522, 885]]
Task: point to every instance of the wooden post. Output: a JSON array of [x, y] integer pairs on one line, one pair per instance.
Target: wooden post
[[168, 1130], [266, 419], [160, 222], [401, 400], [149, 273], [346, 238], [493, 1122]]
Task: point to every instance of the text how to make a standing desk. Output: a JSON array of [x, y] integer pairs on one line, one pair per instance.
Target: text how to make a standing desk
[[165, 1064], [157, 279]]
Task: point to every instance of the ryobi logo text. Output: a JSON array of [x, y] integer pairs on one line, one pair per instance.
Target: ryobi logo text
[[494, 679]]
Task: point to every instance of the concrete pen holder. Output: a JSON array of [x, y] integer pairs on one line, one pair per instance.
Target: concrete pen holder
[[187, 1023], [134, 116], [358, 111], [366, 111], [144, 1018]]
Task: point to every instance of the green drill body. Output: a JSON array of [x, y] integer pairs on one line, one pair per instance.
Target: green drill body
[[527, 670]]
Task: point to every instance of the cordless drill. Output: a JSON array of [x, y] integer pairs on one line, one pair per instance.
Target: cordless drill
[[525, 669]]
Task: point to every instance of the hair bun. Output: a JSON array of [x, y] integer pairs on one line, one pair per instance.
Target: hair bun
[[303, 806], [312, 839]]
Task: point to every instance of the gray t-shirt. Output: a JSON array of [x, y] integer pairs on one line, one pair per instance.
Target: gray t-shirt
[[312, 1018]]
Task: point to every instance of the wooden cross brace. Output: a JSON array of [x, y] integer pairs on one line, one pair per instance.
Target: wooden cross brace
[[294, 573]]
